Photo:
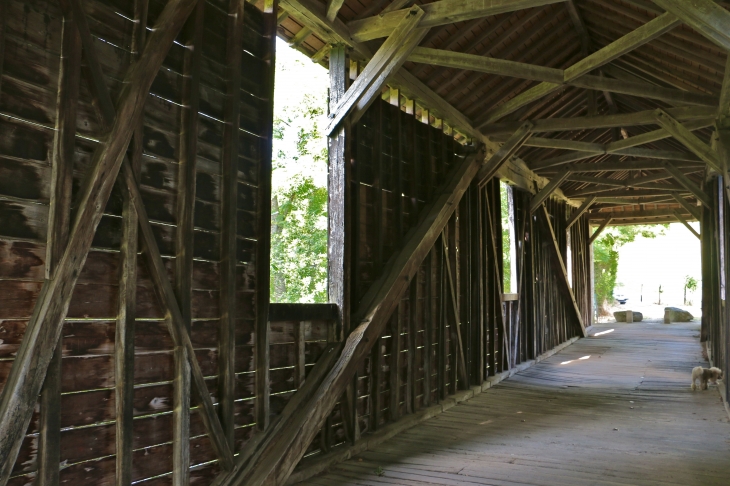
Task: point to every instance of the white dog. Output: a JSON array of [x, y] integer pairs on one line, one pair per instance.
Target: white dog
[[704, 375]]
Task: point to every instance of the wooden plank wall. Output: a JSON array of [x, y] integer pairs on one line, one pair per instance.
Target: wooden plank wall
[[398, 163], [30, 80]]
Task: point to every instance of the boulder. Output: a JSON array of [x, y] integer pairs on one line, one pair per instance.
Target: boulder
[[675, 314], [620, 316]]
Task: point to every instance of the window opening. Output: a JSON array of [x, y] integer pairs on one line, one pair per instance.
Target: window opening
[[299, 179], [509, 251]]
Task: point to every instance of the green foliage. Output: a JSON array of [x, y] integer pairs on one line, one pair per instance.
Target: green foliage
[[506, 254], [299, 243], [606, 255], [690, 283], [299, 185]]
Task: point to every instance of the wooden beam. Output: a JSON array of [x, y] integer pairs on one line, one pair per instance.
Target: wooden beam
[[333, 8], [688, 139], [275, 462], [522, 99], [610, 192], [618, 216], [689, 207], [626, 165], [580, 27], [561, 160], [124, 359], [263, 224], [439, 13], [563, 144], [580, 211], [654, 135], [59, 221], [456, 323], [646, 33], [648, 153], [704, 16], [546, 191], [389, 58], [689, 185], [686, 224], [23, 385], [185, 209], [599, 230], [507, 150], [559, 267], [229, 218], [501, 67], [683, 113]]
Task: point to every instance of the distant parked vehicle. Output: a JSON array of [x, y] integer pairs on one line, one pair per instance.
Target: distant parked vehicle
[[621, 298]]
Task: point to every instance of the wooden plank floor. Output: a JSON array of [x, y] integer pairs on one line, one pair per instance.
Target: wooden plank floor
[[624, 415]]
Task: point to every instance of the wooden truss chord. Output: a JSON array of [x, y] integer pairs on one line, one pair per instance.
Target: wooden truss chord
[[389, 58], [501, 67], [439, 13], [704, 16], [559, 267], [23, 385], [683, 113]]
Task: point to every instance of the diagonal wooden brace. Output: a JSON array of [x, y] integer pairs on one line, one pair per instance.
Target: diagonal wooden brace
[[24, 382], [559, 267], [163, 288], [688, 139], [389, 58], [276, 460], [507, 150]]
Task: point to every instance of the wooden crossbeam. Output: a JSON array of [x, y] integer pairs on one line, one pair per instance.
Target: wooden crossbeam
[[389, 58], [684, 221], [501, 67], [688, 184], [704, 16], [546, 191], [580, 211], [610, 192], [617, 216], [563, 144], [333, 8], [628, 165], [599, 230], [23, 385], [684, 113], [559, 268], [439, 13], [654, 135], [646, 33], [561, 160], [456, 323], [688, 139], [275, 461]]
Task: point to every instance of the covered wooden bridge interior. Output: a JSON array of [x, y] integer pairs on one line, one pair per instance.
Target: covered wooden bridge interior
[[137, 340]]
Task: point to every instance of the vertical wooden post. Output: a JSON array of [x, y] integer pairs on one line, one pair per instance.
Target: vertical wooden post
[[376, 367], [184, 239], [58, 230], [412, 404], [340, 221], [263, 226], [127, 307]]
